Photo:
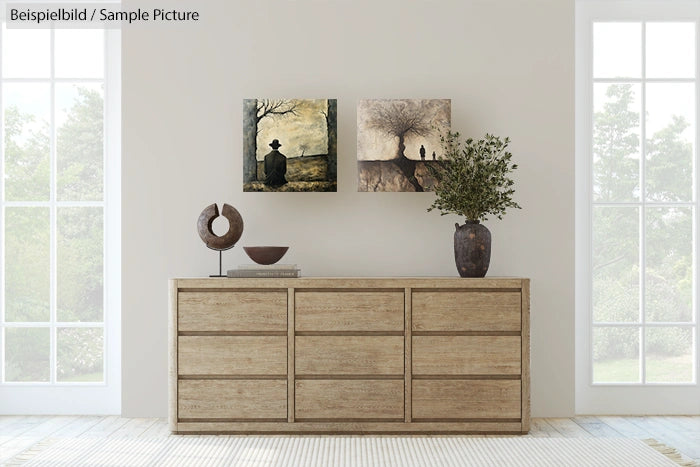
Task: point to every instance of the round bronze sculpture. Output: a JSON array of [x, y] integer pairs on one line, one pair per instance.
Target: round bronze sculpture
[[223, 242]]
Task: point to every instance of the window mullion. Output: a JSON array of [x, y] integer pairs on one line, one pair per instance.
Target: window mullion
[[53, 215], [640, 80], [670, 204], [2, 219], [642, 212], [55, 80], [590, 204], [106, 122], [696, 236]]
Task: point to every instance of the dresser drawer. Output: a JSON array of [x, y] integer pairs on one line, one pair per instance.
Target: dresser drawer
[[466, 311], [454, 399], [349, 355], [229, 399], [349, 311], [466, 355], [349, 399], [232, 355], [232, 311]]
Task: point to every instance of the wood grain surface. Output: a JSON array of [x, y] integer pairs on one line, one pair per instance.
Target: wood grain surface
[[221, 284], [172, 355], [232, 399], [349, 399], [466, 355], [348, 355], [466, 311], [525, 358], [464, 399], [232, 355], [349, 311], [232, 311]]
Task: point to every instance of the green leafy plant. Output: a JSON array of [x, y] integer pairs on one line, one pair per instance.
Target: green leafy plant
[[473, 177]]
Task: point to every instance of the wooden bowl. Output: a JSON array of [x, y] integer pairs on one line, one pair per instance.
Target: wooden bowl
[[265, 254]]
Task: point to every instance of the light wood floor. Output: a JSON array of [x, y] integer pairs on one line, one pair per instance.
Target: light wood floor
[[18, 433]]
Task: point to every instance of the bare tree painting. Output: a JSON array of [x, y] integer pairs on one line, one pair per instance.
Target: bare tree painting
[[391, 134], [289, 145], [255, 110], [398, 119]]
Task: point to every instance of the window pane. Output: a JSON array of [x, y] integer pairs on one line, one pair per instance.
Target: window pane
[[26, 118], [79, 354], [616, 130], [617, 50], [79, 264], [27, 354], [669, 265], [79, 53], [27, 264], [79, 146], [670, 50], [670, 141], [26, 53], [669, 355], [615, 264], [615, 355]]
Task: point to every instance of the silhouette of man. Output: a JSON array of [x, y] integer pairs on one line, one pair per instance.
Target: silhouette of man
[[433, 155], [422, 153], [275, 166]]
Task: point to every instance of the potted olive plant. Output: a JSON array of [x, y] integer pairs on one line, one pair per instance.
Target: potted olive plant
[[472, 180]]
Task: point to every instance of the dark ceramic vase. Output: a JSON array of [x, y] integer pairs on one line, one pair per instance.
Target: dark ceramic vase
[[472, 249]]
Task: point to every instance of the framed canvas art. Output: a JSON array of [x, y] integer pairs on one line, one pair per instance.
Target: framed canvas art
[[396, 140], [290, 144]]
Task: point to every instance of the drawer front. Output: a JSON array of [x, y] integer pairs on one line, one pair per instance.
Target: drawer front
[[240, 399], [466, 311], [349, 399], [232, 311], [466, 355], [348, 311], [349, 355], [443, 399], [232, 355]]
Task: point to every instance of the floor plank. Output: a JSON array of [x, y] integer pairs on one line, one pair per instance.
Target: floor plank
[[159, 429], [625, 427], [77, 427], [597, 428], [539, 428], [568, 428], [7, 420], [19, 426], [33, 435], [105, 427], [681, 423], [134, 428]]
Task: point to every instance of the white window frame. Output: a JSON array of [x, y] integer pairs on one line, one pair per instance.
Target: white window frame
[[633, 398], [101, 398]]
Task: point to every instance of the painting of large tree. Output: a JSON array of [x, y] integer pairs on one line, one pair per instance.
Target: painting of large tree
[[289, 145], [396, 140]]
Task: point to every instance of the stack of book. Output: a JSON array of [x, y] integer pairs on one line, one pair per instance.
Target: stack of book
[[259, 270]]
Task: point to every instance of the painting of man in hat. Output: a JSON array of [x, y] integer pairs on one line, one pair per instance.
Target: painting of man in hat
[[306, 128], [275, 166]]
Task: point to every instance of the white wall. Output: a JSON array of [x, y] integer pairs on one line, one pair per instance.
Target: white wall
[[508, 67]]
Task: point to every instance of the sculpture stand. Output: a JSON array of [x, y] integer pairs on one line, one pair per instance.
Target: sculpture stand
[[223, 242], [221, 274]]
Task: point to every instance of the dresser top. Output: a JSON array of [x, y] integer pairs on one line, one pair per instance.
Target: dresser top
[[353, 282]]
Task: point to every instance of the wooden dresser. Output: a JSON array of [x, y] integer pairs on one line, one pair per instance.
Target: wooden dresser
[[371, 355]]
